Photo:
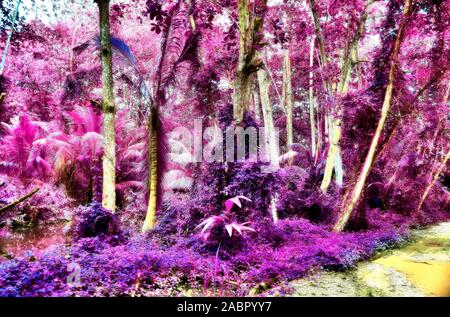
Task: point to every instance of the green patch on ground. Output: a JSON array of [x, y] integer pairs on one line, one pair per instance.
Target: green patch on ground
[[419, 268]]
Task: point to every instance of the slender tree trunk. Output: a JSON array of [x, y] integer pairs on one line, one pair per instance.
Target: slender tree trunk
[[312, 122], [270, 133], [273, 207], [353, 198], [334, 159], [328, 89], [434, 178], [271, 138], [440, 168], [287, 98], [333, 152], [109, 109], [8, 41], [150, 218], [320, 40]]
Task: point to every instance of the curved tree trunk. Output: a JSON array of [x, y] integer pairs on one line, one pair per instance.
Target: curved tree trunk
[[353, 198], [109, 109]]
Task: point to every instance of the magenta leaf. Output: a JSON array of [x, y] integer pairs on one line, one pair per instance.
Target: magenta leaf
[[229, 203]]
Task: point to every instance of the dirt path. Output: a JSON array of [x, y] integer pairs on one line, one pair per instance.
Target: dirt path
[[420, 268]]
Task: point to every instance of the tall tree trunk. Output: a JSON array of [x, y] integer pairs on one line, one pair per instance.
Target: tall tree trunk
[[248, 62], [328, 89], [270, 133], [312, 122], [109, 109], [287, 98], [353, 198], [156, 144], [334, 159], [8, 41], [153, 179]]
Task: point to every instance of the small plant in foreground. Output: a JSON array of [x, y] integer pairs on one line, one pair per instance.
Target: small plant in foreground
[[224, 220]]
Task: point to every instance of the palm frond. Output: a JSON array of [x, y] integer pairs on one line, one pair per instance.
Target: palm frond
[[121, 47], [117, 45]]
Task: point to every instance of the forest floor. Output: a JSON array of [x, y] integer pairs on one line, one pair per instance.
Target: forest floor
[[419, 268]]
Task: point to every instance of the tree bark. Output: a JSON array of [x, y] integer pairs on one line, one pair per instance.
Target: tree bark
[[287, 98], [256, 103], [353, 198], [109, 109]]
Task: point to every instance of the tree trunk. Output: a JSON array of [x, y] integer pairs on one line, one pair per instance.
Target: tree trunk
[[248, 63], [334, 159], [150, 218], [8, 41], [287, 98], [440, 168], [434, 178], [18, 201], [109, 156], [271, 137], [353, 198], [312, 122], [320, 39]]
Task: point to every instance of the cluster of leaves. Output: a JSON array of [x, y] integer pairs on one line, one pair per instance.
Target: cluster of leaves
[[223, 220], [95, 221], [39, 150]]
